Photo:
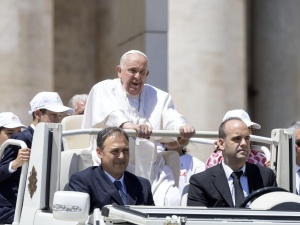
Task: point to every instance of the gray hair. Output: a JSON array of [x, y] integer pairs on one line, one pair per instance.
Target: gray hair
[[131, 52], [295, 125], [75, 98]]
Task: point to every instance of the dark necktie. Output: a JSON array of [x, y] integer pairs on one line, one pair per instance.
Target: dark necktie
[[238, 190], [118, 184]]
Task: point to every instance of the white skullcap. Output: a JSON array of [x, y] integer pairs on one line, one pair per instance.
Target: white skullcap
[[133, 51]]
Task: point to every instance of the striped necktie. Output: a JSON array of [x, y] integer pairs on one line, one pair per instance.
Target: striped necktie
[[118, 184]]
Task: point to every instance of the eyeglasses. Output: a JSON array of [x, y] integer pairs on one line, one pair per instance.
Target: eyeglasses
[[298, 143]]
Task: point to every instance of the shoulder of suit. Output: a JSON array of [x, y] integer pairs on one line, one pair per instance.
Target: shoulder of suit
[[87, 171], [132, 176], [251, 165], [23, 134], [128, 174], [207, 172], [214, 168], [259, 167]]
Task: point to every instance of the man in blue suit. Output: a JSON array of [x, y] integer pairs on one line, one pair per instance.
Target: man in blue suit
[[110, 183], [45, 107]]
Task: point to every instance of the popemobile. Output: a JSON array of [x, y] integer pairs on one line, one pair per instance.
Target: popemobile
[[43, 199]]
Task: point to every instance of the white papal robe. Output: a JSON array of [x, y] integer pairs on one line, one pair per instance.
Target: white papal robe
[[108, 104]]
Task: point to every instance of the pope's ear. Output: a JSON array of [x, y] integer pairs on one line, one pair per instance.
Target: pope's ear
[[119, 69], [221, 144]]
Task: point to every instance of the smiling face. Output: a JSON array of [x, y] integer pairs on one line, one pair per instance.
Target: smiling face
[[236, 143], [114, 155], [133, 72]]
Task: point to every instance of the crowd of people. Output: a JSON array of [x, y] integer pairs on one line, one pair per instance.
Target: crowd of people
[[230, 174]]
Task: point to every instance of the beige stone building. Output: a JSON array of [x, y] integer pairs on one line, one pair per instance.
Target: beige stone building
[[211, 55]]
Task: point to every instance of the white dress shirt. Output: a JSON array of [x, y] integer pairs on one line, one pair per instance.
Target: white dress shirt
[[243, 180]]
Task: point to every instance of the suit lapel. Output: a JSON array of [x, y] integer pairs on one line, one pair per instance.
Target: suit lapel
[[221, 184], [131, 190], [107, 186], [255, 181]]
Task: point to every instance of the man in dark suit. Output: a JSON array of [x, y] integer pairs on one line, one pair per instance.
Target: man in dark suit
[[217, 186], [45, 107], [110, 183], [296, 127]]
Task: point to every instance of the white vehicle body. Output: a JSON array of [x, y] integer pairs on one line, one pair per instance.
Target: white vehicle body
[[43, 201]]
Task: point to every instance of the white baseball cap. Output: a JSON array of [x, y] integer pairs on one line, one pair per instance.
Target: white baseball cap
[[50, 101], [243, 116], [10, 120]]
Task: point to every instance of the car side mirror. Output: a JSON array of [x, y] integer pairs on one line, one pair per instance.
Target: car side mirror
[[71, 206]]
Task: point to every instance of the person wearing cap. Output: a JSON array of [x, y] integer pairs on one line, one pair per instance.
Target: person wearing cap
[[9, 125], [228, 183], [129, 103], [45, 107], [255, 157]]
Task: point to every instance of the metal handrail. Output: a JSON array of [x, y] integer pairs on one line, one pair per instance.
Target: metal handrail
[[198, 137], [131, 132]]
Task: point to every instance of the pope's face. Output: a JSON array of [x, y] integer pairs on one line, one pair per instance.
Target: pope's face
[[133, 73]]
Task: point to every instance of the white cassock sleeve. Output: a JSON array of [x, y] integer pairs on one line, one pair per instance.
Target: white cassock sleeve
[[103, 100]]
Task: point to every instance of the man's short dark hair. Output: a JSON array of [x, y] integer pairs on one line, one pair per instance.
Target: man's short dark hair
[[42, 110], [106, 132], [222, 133]]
